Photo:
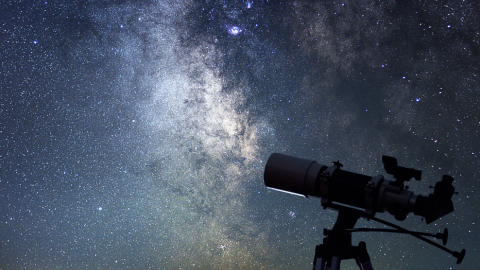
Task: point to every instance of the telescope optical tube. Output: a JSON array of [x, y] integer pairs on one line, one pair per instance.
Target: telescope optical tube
[[373, 194]]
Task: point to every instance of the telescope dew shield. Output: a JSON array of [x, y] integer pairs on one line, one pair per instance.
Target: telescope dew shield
[[292, 174]]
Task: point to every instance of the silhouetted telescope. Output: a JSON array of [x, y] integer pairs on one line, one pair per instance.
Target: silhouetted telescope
[[371, 193], [356, 195]]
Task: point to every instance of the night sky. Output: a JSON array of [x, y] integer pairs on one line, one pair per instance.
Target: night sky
[[134, 134]]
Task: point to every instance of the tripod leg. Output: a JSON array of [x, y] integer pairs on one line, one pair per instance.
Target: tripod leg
[[363, 260], [336, 263], [320, 261], [319, 264]]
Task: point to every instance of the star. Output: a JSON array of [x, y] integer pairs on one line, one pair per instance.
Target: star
[[234, 30]]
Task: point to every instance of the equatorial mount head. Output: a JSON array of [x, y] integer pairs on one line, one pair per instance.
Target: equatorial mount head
[[401, 174]]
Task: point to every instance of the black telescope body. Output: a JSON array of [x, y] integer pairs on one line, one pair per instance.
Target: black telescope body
[[371, 193]]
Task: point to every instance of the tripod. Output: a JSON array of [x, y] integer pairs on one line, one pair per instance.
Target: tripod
[[337, 245]]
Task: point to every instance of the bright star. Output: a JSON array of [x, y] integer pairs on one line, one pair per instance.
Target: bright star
[[234, 30]]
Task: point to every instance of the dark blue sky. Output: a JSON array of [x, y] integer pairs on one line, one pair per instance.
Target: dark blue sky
[[134, 134]]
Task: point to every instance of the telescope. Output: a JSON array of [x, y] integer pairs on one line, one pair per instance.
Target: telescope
[[356, 195]]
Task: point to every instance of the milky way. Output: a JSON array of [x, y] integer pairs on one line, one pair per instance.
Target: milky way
[[135, 134]]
